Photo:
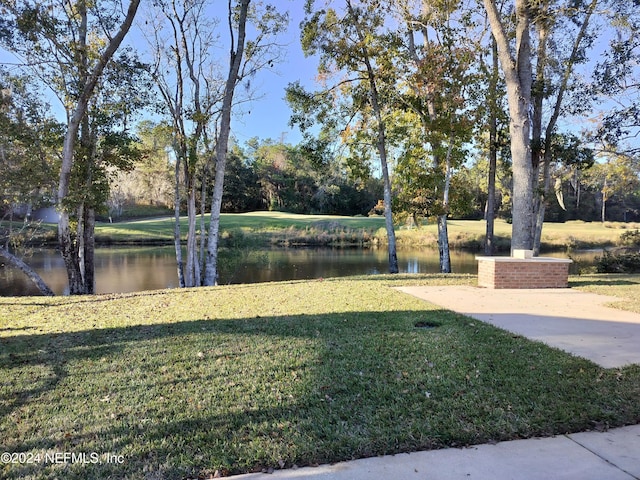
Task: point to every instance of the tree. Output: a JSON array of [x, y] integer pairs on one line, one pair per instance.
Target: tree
[[237, 29], [437, 92], [200, 104], [616, 84], [241, 185], [259, 52], [568, 155], [554, 86], [185, 76], [150, 181], [286, 180], [351, 44], [494, 113], [516, 62], [69, 46], [30, 142], [564, 33], [615, 178]]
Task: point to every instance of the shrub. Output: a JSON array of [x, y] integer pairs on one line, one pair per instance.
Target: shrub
[[630, 238], [234, 238], [618, 263]]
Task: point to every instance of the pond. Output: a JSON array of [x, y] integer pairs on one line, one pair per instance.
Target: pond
[[131, 269]]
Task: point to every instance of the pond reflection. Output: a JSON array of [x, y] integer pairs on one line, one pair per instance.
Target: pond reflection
[[130, 269]]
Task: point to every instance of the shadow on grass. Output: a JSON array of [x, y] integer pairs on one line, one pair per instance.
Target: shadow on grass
[[186, 399], [602, 282]]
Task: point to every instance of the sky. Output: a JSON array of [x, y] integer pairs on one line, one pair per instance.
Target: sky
[[268, 115]]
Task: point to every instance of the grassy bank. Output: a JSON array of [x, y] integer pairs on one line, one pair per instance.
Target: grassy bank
[[258, 228], [288, 229], [470, 234], [236, 379], [276, 228]]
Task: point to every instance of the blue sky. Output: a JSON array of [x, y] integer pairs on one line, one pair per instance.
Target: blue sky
[[269, 114]]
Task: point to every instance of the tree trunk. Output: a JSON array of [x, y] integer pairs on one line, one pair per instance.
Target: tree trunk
[[542, 205], [578, 188], [382, 152], [493, 153], [177, 243], [518, 77], [28, 271], [522, 211], [235, 60], [192, 276], [211, 267], [388, 212], [85, 231], [89, 246], [603, 211], [65, 239], [443, 233], [538, 152], [203, 228], [68, 246], [443, 244]]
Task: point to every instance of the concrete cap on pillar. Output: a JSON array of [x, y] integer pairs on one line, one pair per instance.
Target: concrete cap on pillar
[[520, 253]]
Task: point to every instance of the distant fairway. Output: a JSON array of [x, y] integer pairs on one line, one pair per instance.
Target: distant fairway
[[259, 227]]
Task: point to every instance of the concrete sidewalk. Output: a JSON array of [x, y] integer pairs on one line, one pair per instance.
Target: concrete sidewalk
[[577, 322], [613, 455]]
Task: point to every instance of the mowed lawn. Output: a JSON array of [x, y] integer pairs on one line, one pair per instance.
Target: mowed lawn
[[179, 383], [461, 232], [252, 222]]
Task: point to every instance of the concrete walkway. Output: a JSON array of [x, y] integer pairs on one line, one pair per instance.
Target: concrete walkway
[[577, 322], [613, 455]]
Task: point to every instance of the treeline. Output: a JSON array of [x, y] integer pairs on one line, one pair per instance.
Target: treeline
[[268, 175], [260, 175], [607, 190], [437, 100]]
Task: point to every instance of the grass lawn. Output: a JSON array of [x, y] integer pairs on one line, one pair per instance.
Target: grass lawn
[[182, 383], [289, 228], [555, 236], [262, 224]]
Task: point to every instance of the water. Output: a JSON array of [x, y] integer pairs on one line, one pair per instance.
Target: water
[[130, 269]]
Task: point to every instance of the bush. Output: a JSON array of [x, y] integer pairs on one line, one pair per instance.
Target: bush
[[630, 238], [234, 238], [618, 263]]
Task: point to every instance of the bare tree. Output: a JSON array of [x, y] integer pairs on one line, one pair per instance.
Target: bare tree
[[184, 72], [200, 104], [238, 33]]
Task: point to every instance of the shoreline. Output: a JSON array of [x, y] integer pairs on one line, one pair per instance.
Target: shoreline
[[264, 229]]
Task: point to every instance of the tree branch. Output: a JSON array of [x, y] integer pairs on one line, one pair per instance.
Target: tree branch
[[28, 271]]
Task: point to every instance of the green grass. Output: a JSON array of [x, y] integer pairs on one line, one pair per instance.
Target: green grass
[[262, 227], [271, 228], [624, 286], [279, 228], [185, 382], [555, 236]]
